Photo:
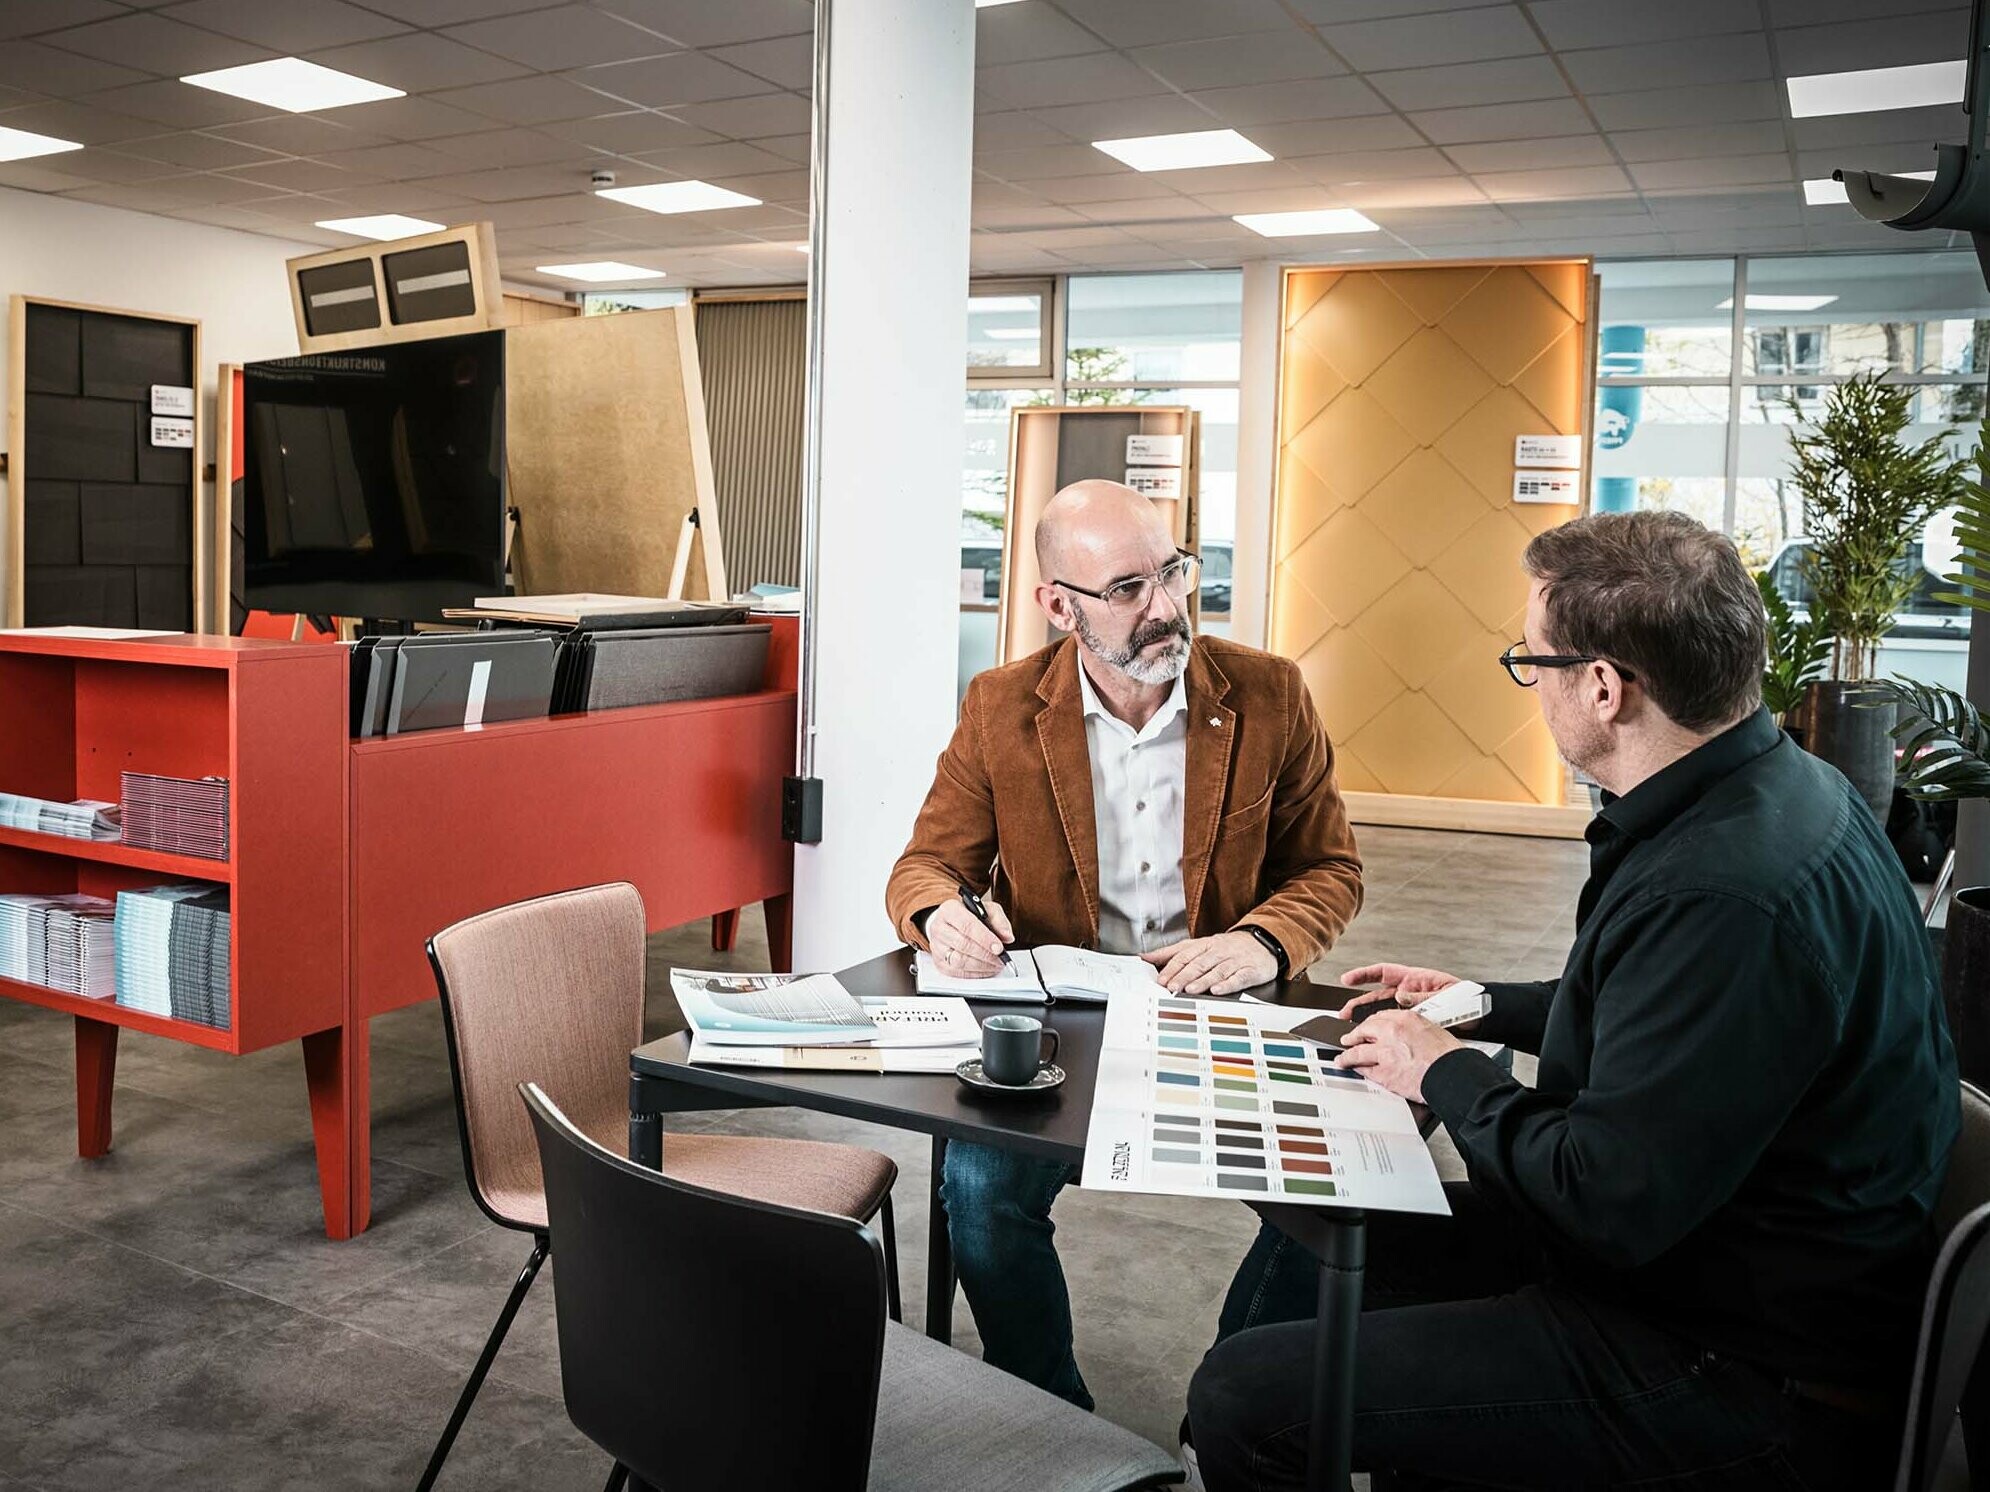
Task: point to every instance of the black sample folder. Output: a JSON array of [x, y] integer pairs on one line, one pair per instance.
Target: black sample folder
[[471, 679], [661, 665]]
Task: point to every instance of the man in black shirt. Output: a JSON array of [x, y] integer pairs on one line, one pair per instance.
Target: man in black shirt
[[1693, 1254]]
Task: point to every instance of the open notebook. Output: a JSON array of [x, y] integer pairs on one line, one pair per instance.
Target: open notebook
[[1052, 972]]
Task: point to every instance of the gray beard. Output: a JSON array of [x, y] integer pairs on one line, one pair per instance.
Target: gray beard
[[1131, 661]]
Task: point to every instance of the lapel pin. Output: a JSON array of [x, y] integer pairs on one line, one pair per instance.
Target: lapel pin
[[1214, 721]]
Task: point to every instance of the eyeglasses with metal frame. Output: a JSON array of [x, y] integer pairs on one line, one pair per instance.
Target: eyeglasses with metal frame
[[1132, 594]]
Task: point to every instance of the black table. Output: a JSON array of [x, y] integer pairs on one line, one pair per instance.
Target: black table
[[663, 1081]]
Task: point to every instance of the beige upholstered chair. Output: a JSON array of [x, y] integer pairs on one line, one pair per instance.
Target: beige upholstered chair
[[550, 991]]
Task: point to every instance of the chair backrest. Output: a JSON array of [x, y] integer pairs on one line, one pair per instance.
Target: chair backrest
[[709, 1342], [1955, 1315], [548, 991]]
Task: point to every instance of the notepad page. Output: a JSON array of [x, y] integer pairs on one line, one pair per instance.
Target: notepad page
[[1018, 982], [1084, 974]]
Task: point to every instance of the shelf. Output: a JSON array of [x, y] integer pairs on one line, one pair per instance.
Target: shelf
[[118, 1015], [114, 852]]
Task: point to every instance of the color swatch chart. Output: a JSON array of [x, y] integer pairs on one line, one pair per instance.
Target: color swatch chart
[[1197, 1098]]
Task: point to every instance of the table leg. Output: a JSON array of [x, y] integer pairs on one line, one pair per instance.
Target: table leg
[[96, 1069], [939, 1255], [645, 1126], [336, 1071], [780, 914], [725, 930], [1330, 1443]]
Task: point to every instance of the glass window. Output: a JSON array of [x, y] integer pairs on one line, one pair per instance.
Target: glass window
[[1662, 447], [1664, 318], [1154, 328], [1857, 313], [985, 479], [607, 302], [1008, 327]]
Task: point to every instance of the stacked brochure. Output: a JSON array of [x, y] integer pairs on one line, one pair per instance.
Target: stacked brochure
[[172, 952], [86, 818], [812, 1021], [59, 942], [179, 815], [1052, 972]]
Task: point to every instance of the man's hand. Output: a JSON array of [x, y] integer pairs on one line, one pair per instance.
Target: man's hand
[[1400, 985], [1395, 1049], [961, 946], [1221, 965]]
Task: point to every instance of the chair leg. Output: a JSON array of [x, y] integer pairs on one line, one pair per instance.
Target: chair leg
[[617, 1478], [890, 1260], [541, 1243]]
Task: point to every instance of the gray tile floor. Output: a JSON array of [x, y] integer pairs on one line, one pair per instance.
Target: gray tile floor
[[173, 1316]]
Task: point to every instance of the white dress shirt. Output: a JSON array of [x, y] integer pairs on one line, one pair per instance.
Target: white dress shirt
[[1137, 791]]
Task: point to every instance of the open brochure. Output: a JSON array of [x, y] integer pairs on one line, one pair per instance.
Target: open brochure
[[734, 1009], [1054, 971]]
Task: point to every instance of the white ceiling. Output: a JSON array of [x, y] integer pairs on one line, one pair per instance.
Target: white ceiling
[[1463, 127]]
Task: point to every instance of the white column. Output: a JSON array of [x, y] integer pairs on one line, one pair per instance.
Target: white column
[[1257, 437], [890, 276]]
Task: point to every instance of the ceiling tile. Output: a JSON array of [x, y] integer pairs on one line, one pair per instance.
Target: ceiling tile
[[1336, 136], [447, 12], [1308, 99], [1895, 41], [1067, 80], [1601, 23], [1509, 80], [1698, 140], [710, 162], [1041, 162], [1504, 122], [398, 162], [299, 176], [416, 198], [1144, 210], [1817, 12], [1300, 198], [155, 44], [290, 29], [668, 81], [29, 64], [1263, 57], [194, 190], [1154, 21], [26, 17], [168, 101], [411, 119], [1533, 155], [562, 37], [777, 189], [1328, 12], [1736, 170], [541, 99], [1545, 186], [631, 133], [513, 147], [1709, 103], [298, 134], [1472, 35], [1040, 216], [786, 61], [702, 23], [1423, 191], [33, 176], [1028, 32], [1682, 64], [1164, 113], [791, 148], [109, 166], [1373, 165], [749, 118], [191, 151], [82, 122], [418, 62], [1126, 186], [1012, 130], [512, 183], [1255, 174]]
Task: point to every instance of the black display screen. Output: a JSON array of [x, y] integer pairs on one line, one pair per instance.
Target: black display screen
[[374, 480]]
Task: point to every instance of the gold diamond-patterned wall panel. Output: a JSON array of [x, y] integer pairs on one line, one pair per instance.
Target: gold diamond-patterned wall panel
[[1397, 575]]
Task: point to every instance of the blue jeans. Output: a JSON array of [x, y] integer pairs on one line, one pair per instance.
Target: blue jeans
[[998, 1221]]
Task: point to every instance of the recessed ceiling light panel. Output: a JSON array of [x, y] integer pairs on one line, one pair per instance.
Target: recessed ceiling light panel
[[382, 226], [1188, 152], [21, 145], [600, 271], [678, 196], [1877, 88], [293, 84], [1309, 224]]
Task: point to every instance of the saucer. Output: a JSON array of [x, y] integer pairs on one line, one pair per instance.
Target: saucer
[[1049, 1076]]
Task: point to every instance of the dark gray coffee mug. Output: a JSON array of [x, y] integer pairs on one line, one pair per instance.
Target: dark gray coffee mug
[[1012, 1048]]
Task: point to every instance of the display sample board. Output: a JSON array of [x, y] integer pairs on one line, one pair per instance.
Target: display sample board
[[1396, 544], [1200, 1098], [101, 490], [1052, 446], [608, 451]]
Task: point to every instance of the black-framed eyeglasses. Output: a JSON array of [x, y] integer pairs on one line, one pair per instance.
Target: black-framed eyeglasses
[[1525, 668], [1134, 593]]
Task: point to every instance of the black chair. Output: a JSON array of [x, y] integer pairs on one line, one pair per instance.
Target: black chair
[[711, 1342]]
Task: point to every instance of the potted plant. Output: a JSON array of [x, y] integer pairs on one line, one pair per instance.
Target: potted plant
[[1798, 652], [1866, 493]]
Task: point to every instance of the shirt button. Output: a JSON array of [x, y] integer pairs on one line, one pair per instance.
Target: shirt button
[[1141, 806], [1143, 867]]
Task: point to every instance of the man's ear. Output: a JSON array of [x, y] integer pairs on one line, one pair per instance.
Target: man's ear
[[1605, 687], [1056, 606]]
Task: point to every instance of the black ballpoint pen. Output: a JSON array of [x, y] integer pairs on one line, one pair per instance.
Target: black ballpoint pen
[[972, 901]]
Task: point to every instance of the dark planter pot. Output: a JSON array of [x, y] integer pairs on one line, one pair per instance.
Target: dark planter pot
[[1855, 736], [1966, 981]]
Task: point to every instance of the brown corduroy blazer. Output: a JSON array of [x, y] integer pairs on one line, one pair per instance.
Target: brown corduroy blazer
[[1265, 837]]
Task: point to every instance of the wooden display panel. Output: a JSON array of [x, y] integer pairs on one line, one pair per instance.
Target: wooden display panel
[[1396, 544], [149, 469], [1052, 446], [469, 251], [608, 453]]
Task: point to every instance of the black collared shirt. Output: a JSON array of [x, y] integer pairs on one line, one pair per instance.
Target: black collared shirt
[[1747, 1094]]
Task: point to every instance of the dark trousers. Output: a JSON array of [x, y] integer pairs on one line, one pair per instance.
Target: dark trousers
[[1476, 1371]]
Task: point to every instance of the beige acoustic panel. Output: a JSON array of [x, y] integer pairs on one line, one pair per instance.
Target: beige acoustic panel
[[524, 310], [608, 452], [332, 289], [1396, 575], [1038, 467]]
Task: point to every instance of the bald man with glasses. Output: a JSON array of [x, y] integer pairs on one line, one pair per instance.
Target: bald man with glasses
[[1133, 789]]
